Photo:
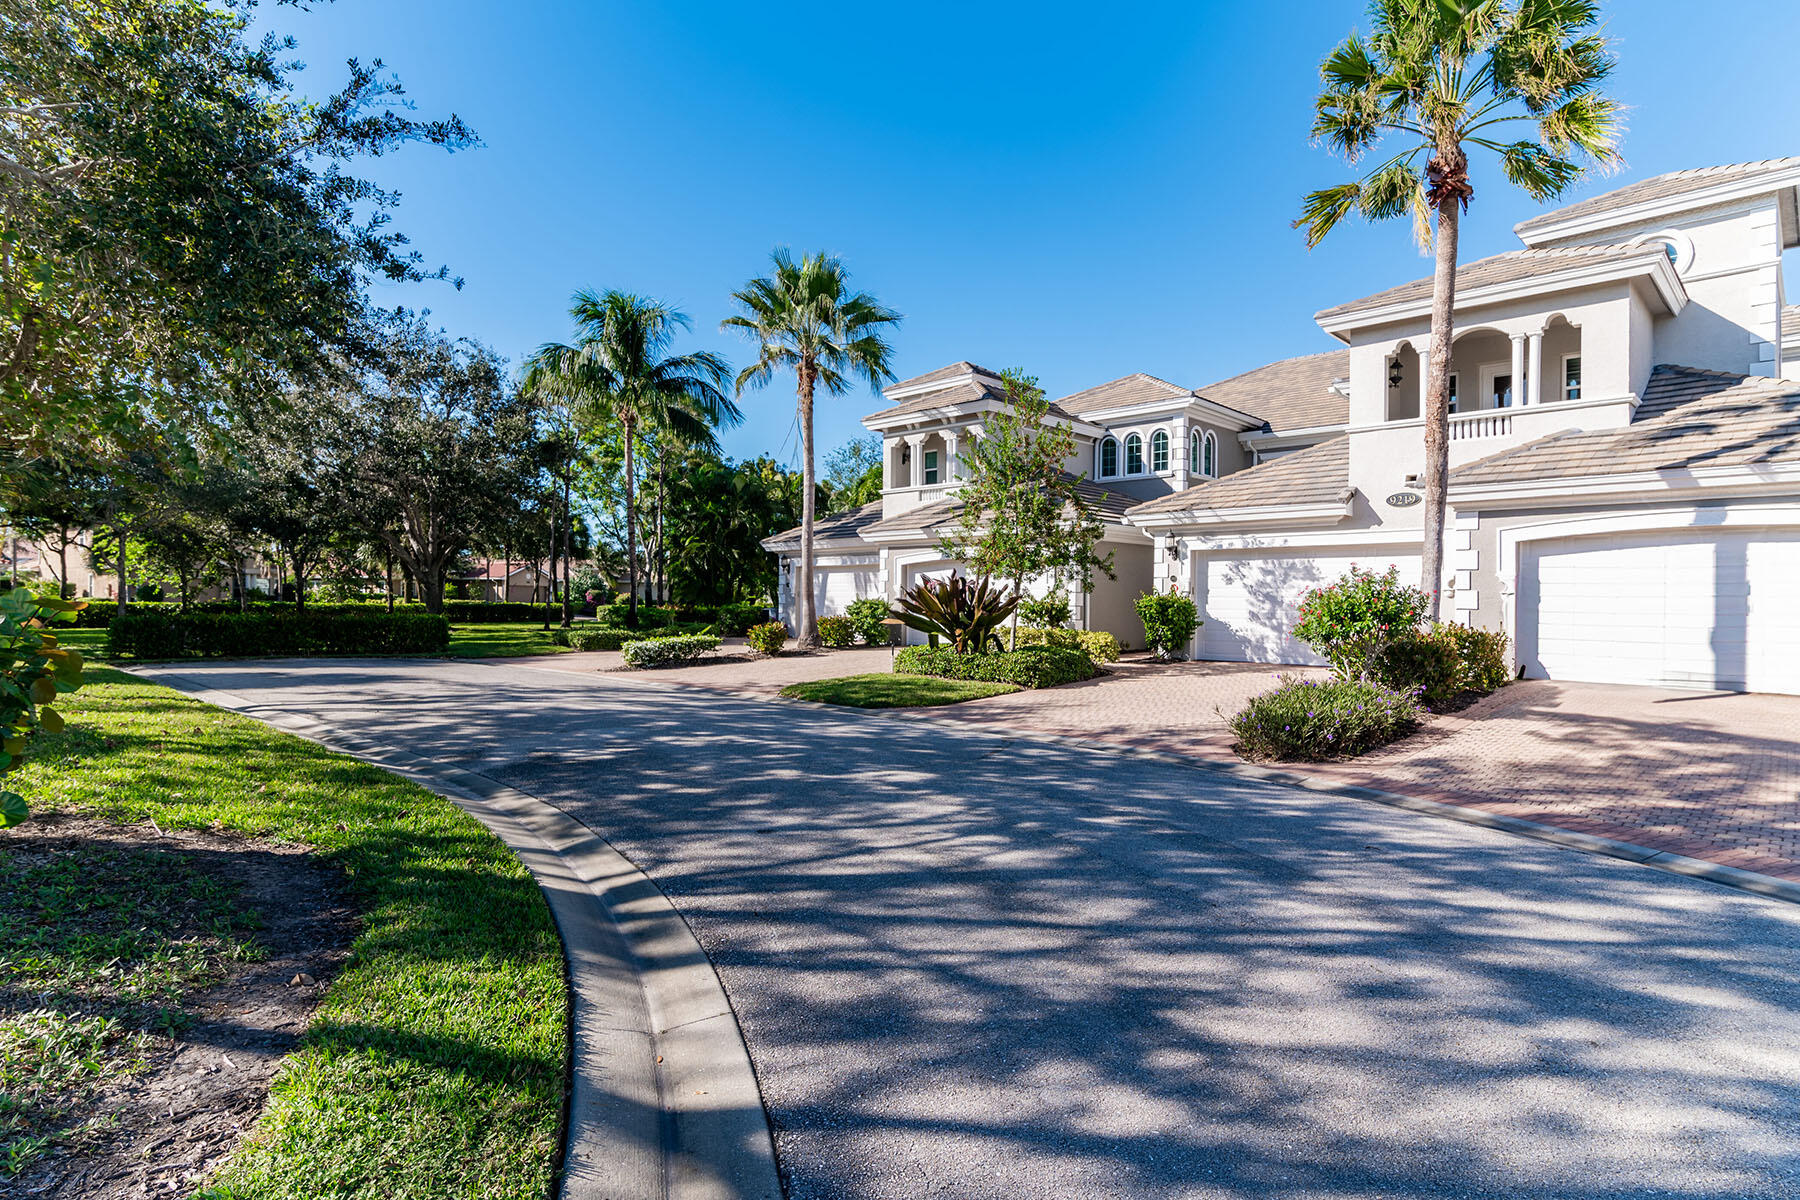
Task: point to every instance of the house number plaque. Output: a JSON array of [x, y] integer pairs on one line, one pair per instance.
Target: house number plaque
[[1404, 499]]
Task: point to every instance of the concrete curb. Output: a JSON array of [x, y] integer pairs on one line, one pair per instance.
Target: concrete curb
[[1755, 882], [663, 1099]]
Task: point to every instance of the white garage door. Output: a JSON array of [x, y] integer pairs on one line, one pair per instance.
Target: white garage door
[[836, 587], [1706, 610], [1247, 599]]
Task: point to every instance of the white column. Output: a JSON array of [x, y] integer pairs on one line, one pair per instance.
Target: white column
[[1518, 368], [1180, 450], [952, 443], [915, 442], [1535, 371]]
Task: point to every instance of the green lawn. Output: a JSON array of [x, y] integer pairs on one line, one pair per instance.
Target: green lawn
[[435, 1064], [502, 640], [894, 691]]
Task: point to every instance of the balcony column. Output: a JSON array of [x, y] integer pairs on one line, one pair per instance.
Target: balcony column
[[1535, 370], [1518, 368], [915, 444], [952, 472], [1179, 453]]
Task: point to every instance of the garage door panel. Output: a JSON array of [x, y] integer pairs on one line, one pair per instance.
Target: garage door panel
[[1248, 600], [1692, 608]]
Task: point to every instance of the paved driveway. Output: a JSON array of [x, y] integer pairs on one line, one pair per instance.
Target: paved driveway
[[1706, 774], [967, 967]]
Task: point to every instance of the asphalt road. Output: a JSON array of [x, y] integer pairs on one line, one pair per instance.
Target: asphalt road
[[968, 967]]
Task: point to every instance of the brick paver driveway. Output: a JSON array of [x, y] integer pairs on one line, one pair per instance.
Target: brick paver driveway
[[1710, 775]]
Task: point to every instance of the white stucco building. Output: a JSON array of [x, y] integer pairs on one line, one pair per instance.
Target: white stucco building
[[1625, 453]]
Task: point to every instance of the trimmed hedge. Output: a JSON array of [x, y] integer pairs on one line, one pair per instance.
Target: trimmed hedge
[[494, 612], [597, 637], [157, 634], [1029, 667], [1098, 645], [1309, 720], [667, 651]]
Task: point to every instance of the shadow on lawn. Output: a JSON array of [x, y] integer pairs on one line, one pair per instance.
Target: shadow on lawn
[[974, 968]]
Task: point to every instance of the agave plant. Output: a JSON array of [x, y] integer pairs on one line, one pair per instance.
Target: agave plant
[[967, 615]]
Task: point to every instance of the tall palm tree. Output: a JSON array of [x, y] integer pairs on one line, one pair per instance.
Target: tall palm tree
[[805, 317], [1444, 77], [619, 370]]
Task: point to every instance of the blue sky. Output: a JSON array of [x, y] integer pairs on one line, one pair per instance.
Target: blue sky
[[1081, 191]]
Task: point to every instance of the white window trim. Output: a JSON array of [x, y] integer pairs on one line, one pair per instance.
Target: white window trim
[[1162, 436], [929, 469], [1126, 470], [1195, 451], [1209, 449], [1562, 379], [1100, 470]]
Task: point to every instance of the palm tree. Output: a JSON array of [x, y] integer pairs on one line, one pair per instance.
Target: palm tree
[[805, 316], [619, 370], [1445, 77]]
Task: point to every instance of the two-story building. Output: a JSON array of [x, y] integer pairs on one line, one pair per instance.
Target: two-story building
[[1624, 448]]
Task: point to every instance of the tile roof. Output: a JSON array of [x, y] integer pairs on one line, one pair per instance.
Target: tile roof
[[1657, 187], [1486, 272], [1316, 475], [836, 527], [952, 371], [1790, 323], [1132, 389], [1688, 418], [1294, 393]]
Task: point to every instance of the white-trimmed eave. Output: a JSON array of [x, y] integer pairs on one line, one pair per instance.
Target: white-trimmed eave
[[904, 391], [965, 410], [1187, 404], [1653, 263], [1651, 484], [1262, 439], [1537, 235], [1330, 512]]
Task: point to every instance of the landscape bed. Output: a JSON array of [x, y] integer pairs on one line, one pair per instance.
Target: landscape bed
[[895, 691], [435, 1062]]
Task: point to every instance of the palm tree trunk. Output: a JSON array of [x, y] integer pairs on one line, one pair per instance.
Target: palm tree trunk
[[808, 634], [1437, 402], [631, 563], [568, 616]]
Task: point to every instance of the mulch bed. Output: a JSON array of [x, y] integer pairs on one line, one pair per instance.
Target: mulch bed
[[166, 1126]]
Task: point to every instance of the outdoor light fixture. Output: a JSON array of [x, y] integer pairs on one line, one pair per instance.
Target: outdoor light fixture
[[1394, 375]]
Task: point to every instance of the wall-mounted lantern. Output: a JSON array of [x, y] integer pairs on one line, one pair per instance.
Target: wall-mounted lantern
[[1394, 374]]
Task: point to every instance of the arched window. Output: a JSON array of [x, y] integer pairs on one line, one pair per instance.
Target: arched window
[[1134, 454], [1159, 451], [1194, 452], [1209, 454], [1109, 457]]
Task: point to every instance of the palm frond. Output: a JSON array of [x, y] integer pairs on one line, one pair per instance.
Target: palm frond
[[1325, 208]]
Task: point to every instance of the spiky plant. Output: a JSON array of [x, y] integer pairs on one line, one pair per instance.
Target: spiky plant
[[966, 614], [1444, 77]]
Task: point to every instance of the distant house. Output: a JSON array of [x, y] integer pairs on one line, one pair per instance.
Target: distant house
[[1624, 451], [496, 580]]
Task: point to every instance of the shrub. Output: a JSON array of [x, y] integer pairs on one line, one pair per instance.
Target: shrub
[[1169, 622], [867, 616], [667, 651], [837, 633], [1350, 621], [966, 614], [735, 620], [767, 638], [1098, 645], [1443, 662], [1030, 667], [483, 612], [648, 614], [1307, 720], [1482, 653], [599, 637], [153, 633], [1049, 613]]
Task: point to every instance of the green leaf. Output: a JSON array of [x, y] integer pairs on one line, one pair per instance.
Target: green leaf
[[12, 809]]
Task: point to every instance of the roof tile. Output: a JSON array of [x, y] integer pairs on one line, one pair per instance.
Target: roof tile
[[1316, 475]]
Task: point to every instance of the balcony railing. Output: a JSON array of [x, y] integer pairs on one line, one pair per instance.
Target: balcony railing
[[1494, 422]]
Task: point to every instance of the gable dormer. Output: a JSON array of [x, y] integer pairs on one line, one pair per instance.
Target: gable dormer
[[1724, 230]]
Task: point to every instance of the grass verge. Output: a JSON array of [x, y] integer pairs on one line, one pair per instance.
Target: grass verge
[[502, 640], [435, 1064], [894, 691]]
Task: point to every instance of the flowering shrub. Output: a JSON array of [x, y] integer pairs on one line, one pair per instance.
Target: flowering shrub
[[1350, 622], [866, 616], [767, 638], [1307, 720], [665, 651], [836, 633], [1169, 622]]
